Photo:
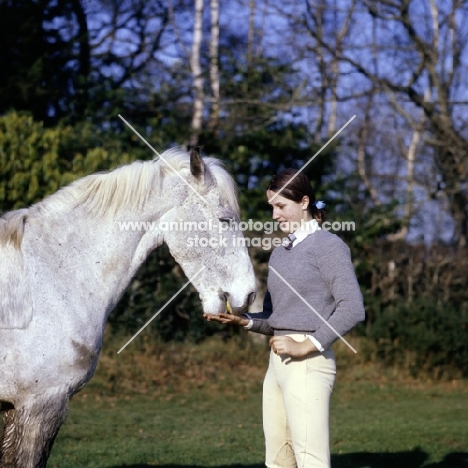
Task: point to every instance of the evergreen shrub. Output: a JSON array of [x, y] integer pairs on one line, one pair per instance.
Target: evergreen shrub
[[424, 337]]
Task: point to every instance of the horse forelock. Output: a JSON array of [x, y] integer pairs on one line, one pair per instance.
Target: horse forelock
[[128, 187]]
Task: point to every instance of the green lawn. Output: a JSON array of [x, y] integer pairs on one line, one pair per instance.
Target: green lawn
[[214, 419], [395, 426], [172, 431]]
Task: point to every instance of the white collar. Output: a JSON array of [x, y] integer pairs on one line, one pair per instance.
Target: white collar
[[304, 230]]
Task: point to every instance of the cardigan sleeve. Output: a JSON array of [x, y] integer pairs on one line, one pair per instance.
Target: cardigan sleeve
[[337, 270], [260, 319]]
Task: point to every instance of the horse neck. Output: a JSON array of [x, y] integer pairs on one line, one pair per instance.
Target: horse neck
[[88, 252]]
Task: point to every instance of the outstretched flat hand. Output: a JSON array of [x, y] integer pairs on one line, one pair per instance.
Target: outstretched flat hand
[[227, 318], [286, 345]]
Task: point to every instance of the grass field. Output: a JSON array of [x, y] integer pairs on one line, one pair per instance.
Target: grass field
[[200, 406]]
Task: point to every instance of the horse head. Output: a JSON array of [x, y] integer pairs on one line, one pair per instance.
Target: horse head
[[205, 239]]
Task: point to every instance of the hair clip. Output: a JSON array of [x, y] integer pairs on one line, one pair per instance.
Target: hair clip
[[319, 204]]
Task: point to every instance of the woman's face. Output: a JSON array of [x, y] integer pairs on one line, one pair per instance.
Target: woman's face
[[287, 212]]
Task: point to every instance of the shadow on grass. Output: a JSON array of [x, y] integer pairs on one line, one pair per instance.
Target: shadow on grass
[[413, 459]]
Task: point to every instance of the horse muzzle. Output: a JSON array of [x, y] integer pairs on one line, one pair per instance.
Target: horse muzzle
[[231, 308]]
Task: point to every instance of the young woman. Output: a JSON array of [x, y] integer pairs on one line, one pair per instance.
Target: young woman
[[313, 298]]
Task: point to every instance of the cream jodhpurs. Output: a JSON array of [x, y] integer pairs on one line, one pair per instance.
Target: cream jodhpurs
[[296, 406]]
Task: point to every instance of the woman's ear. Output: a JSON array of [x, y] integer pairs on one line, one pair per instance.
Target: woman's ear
[[305, 202]]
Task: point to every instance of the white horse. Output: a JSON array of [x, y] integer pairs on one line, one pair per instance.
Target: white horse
[[66, 261]]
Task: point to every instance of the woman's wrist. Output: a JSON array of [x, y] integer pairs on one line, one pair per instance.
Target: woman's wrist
[[307, 347], [244, 322]]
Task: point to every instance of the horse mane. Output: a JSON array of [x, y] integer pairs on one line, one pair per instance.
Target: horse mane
[[15, 294], [129, 186], [12, 227]]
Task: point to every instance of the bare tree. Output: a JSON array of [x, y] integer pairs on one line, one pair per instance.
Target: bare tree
[[408, 55], [197, 72], [214, 66], [128, 35], [429, 74], [363, 136]]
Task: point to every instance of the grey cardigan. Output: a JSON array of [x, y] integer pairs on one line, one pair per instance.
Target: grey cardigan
[[320, 271]]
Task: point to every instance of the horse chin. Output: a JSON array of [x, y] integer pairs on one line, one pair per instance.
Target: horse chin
[[238, 310]]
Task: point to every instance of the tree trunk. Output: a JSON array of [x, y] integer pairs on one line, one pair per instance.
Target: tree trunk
[[195, 65], [214, 67]]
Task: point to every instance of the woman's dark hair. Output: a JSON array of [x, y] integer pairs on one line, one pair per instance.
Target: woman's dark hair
[[296, 189]]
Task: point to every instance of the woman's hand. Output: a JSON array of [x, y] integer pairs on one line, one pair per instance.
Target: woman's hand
[[228, 318], [286, 345]]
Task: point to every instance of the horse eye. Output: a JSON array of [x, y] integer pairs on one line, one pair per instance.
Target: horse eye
[[225, 220]]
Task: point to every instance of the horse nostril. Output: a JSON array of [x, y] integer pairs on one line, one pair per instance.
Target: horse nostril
[[223, 296], [250, 298]]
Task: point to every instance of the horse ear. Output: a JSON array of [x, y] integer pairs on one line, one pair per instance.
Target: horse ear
[[197, 166]]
